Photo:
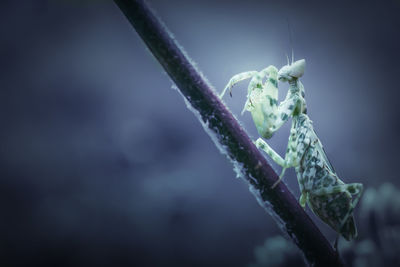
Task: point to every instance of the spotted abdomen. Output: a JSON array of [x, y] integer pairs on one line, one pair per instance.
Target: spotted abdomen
[[332, 209]]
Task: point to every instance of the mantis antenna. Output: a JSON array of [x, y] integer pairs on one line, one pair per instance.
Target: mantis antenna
[[290, 40]]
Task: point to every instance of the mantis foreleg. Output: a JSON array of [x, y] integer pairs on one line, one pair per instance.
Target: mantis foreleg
[[235, 79]]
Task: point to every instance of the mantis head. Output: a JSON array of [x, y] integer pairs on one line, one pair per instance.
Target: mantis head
[[292, 71]]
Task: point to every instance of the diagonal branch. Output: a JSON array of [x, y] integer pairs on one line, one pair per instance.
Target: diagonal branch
[[229, 136]]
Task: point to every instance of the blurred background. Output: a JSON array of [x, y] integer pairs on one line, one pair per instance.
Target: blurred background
[[103, 164]]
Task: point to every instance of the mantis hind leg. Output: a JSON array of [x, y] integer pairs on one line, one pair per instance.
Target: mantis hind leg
[[355, 189], [335, 245]]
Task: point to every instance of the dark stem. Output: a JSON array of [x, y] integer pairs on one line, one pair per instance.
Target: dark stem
[[230, 136]]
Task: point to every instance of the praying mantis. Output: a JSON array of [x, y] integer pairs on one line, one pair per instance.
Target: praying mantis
[[332, 200]]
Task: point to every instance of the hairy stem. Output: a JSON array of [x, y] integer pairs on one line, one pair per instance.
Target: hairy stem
[[230, 136]]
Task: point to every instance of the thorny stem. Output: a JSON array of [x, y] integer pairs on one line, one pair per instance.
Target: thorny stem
[[227, 133]]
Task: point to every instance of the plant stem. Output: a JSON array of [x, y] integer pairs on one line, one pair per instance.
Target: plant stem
[[229, 136]]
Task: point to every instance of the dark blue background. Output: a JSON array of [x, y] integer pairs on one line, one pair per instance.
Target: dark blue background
[[103, 164]]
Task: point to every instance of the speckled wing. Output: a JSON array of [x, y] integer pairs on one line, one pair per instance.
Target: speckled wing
[[322, 152]]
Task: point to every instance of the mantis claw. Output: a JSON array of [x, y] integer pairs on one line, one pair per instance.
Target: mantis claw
[[279, 180]]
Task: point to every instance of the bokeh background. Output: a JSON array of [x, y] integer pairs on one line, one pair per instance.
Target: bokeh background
[[103, 164]]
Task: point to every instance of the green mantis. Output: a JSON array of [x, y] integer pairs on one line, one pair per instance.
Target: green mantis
[[332, 200]]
